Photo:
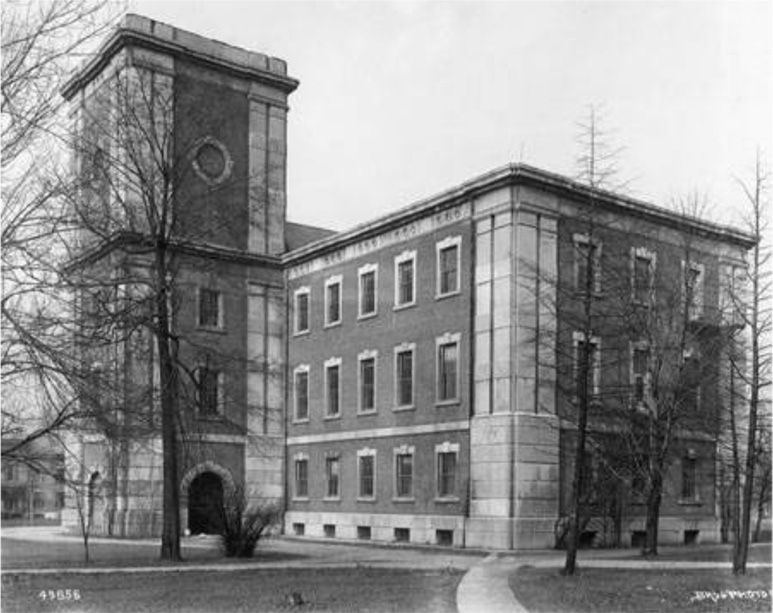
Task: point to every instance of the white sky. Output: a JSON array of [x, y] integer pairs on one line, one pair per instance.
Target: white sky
[[400, 100]]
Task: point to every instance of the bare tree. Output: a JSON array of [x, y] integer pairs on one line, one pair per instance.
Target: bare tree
[[40, 42], [756, 376], [597, 169]]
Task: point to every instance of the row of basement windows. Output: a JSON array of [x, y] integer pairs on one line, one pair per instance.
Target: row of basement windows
[[448, 283], [587, 273], [402, 469], [446, 383]]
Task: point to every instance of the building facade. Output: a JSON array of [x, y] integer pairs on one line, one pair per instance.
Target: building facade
[[413, 379]]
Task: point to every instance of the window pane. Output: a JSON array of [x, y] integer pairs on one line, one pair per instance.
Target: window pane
[[405, 378], [302, 312], [208, 391], [301, 478], [302, 395], [366, 476], [331, 470], [688, 477], [447, 367], [333, 302], [448, 269], [404, 476], [332, 390], [405, 280], [367, 381], [446, 474], [642, 279], [208, 308], [367, 293]]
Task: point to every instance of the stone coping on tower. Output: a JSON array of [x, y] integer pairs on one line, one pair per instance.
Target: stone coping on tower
[[145, 32]]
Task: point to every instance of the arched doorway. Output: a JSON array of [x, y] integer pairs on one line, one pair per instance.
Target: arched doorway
[[205, 502]]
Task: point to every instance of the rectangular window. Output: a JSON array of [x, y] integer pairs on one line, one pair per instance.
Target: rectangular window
[[331, 475], [643, 271], [587, 264], [333, 301], [639, 373], [209, 391], [301, 395], [333, 385], [405, 279], [448, 266], [593, 375], [689, 474], [367, 294], [404, 475], [209, 308], [448, 366], [367, 476], [404, 377], [367, 384], [693, 289], [302, 478], [446, 474], [301, 311]]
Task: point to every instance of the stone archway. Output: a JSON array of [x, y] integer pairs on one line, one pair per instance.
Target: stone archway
[[205, 501], [202, 491]]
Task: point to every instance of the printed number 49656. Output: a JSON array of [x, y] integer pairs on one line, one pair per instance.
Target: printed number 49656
[[59, 594]]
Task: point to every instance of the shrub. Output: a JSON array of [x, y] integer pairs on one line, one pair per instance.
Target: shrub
[[244, 524]]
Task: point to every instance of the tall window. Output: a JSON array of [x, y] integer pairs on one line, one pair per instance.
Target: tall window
[[333, 387], [692, 288], [366, 467], [448, 266], [593, 377], [302, 310], [301, 394], [404, 474], [209, 308], [367, 293], [639, 372], [447, 369], [587, 263], [302, 478], [209, 391], [331, 475], [333, 301], [689, 477], [446, 474], [367, 381], [643, 271], [405, 280], [404, 376]]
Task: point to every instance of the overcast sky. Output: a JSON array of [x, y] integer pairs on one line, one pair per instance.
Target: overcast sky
[[400, 100]]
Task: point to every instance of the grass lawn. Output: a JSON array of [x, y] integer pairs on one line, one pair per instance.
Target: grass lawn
[[69, 554], [708, 553], [365, 590], [636, 591]]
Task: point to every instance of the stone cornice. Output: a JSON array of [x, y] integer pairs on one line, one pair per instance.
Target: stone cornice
[[142, 32], [518, 174], [140, 244]]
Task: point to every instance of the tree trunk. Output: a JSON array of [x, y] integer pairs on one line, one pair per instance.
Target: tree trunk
[[652, 522], [170, 534], [572, 544]]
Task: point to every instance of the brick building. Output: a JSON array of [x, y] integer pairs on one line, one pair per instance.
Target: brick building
[[409, 379]]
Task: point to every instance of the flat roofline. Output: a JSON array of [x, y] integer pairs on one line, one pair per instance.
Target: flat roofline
[[515, 174], [155, 35]]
